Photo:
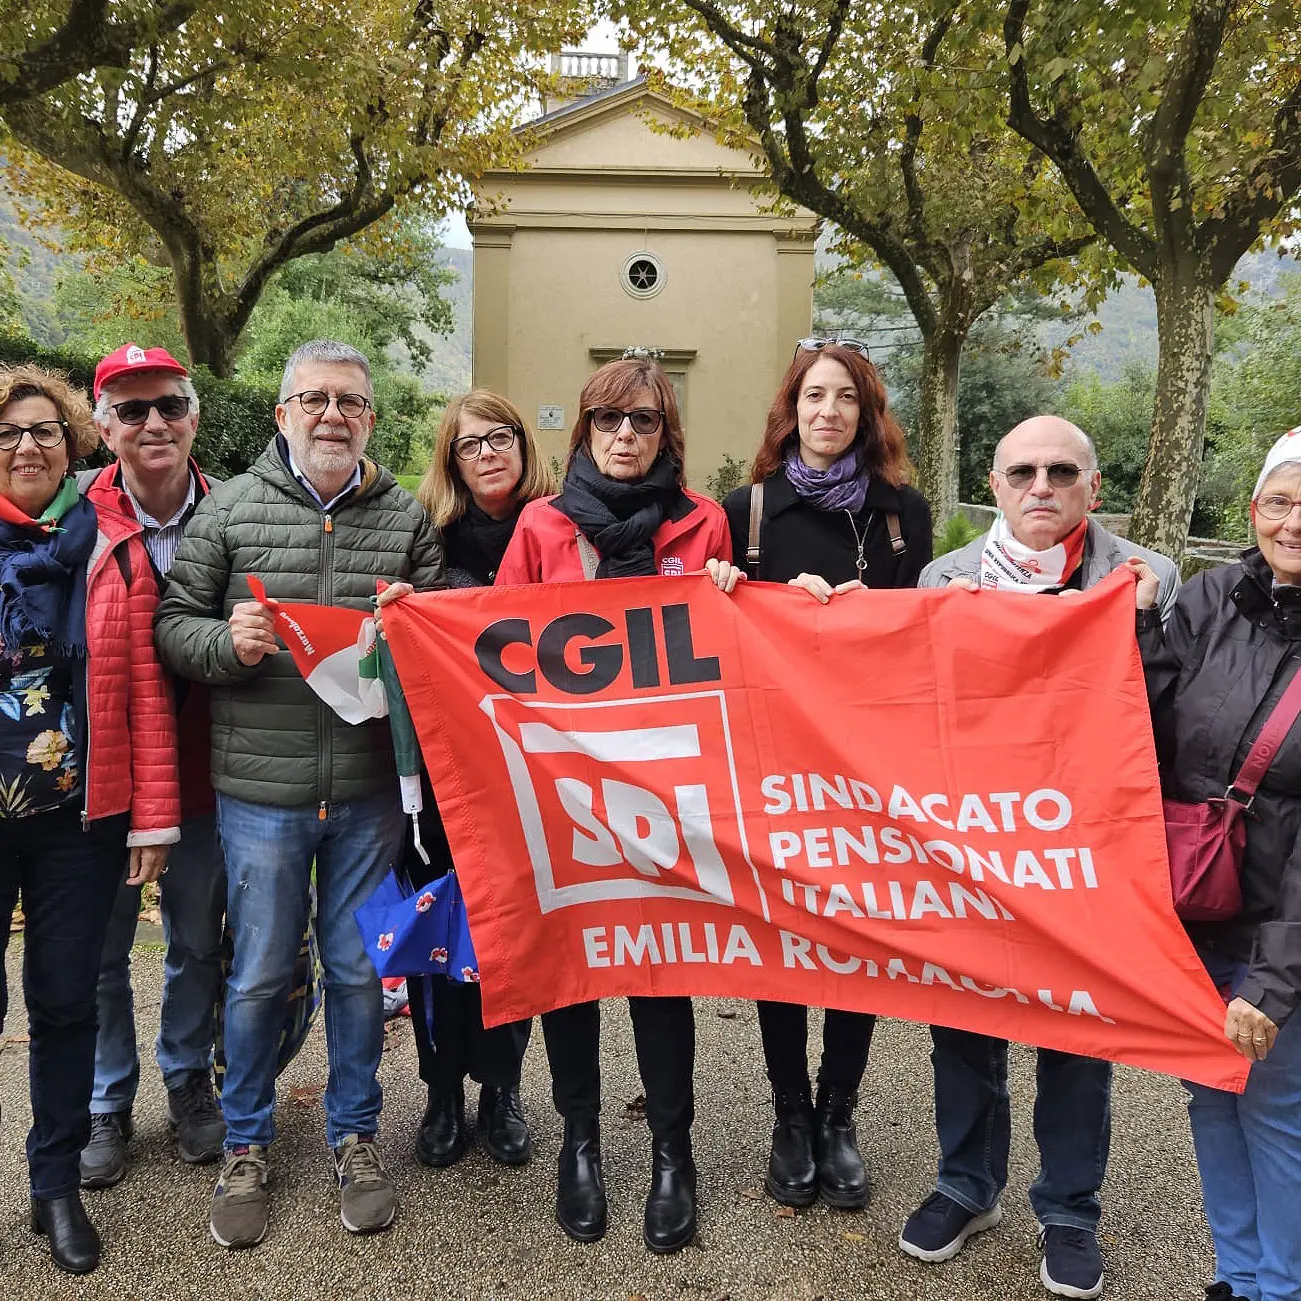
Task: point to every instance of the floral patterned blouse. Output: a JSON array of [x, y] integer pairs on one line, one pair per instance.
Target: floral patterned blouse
[[40, 747]]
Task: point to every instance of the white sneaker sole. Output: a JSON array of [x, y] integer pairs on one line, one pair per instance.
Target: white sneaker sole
[[368, 1228], [234, 1246], [977, 1224], [1065, 1289]]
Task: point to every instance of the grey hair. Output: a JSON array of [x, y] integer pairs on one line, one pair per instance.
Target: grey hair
[[105, 399], [325, 350]]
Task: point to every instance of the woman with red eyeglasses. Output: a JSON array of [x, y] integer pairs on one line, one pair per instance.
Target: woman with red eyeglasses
[[829, 510], [623, 511]]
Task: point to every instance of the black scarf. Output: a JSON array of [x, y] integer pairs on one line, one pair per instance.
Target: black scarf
[[476, 542], [619, 518], [43, 583]]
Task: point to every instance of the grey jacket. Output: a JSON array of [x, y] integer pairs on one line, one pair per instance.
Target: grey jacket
[[273, 740], [1103, 552]]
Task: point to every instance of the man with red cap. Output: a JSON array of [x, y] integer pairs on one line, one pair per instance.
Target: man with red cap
[[147, 412]]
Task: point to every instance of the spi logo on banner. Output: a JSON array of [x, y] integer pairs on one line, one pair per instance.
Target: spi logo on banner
[[595, 826]]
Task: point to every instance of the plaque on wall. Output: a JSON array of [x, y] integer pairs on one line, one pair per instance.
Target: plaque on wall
[[550, 417]]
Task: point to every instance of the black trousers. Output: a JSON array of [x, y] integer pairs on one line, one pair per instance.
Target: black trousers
[[68, 878], [461, 1045], [846, 1039], [664, 1031]]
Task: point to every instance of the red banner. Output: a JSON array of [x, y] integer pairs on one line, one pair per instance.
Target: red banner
[[935, 805]]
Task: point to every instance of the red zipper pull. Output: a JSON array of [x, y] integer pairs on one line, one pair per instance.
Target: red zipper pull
[[321, 813], [329, 525]]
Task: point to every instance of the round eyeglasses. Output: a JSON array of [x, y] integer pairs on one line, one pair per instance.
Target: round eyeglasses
[[45, 433], [645, 421], [469, 447], [1275, 507], [315, 403]]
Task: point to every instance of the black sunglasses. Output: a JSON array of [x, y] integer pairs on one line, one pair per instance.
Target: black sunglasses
[[1061, 474], [135, 411], [644, 420], [816, 345]]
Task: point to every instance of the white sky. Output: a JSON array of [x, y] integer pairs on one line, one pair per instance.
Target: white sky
[[602, 39]]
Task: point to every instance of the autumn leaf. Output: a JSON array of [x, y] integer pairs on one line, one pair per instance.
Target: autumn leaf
[[785, 1213], [305, 1095], [635, 1108]]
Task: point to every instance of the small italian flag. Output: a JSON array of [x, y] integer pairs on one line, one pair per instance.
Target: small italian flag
[[336, 651], [345, 663]]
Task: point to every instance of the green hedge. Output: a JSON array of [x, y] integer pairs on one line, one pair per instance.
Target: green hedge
[[235, 422]]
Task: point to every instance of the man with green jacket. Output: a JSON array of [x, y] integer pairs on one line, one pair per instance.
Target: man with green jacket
[[316, 521]]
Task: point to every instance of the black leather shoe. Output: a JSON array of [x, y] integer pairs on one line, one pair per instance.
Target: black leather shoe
[[671, 1206], [792, 1177], [74, 1243], [502, 1127], [842, 1177], [443, 1135], [580, 1187]]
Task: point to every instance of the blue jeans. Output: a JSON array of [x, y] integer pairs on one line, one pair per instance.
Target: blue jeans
[[269, 856], [68, 878], [192, 898], [973, 1120], [1249, 1158]]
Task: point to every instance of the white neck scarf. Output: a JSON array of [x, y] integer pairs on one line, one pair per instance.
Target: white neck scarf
[[1011, 566]]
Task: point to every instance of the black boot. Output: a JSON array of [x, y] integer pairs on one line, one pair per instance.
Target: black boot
[[792, 1177], [842, 1178], [501, 1125], [443, 1135], [671, 1205], [580, 1187], [74, 1244]]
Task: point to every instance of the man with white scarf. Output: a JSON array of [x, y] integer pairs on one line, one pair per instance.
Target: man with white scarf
[[1045, 480]]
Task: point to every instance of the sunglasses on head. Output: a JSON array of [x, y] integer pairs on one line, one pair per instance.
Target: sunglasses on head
[[644, 420], [1061, 474], [816, 345], [135, 411]]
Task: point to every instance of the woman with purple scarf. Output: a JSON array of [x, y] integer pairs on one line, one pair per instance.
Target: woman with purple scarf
[[828, 510]]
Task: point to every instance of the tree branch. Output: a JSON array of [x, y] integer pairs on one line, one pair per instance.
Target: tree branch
[[1167, 140], [86, 39], [1055, 138]]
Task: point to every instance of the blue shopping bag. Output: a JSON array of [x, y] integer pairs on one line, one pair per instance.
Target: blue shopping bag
[[418, 932]]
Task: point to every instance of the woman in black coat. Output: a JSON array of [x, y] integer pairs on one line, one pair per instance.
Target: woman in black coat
[[1215, 673], [828, 511], [486, 468]]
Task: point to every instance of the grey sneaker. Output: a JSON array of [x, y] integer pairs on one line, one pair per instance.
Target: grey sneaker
[[368, 1201], [104, 1158], [239, 1201], [193, 1113]]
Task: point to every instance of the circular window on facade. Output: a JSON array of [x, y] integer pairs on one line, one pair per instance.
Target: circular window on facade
[[643, 275]]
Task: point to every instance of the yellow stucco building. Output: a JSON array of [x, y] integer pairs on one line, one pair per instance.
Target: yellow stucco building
[[618, 236]]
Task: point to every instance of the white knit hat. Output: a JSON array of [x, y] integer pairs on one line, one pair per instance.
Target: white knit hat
[[1288, 448]]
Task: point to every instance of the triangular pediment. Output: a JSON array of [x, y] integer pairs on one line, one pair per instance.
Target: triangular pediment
[[623, 129]]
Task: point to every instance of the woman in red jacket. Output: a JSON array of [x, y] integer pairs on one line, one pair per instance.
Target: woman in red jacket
[[88, 784], [623, 511]]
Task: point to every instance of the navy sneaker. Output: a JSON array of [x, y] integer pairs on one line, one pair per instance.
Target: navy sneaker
[[1072, 1263], [1222, 1292], [937, 1229]]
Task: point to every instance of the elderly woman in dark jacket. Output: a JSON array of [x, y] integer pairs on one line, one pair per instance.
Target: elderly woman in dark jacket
[[829, 511], [1230, 649]]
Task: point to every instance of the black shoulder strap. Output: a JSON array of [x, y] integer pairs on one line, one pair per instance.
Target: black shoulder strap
[[756, 522]]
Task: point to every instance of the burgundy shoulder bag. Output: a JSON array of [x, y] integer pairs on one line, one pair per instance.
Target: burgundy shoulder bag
[[1206, 841]]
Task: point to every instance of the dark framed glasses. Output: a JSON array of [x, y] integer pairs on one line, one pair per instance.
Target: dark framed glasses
[[45, 433], [135, 411], [816, 345], [1271, 507], [645, 421], [315, 403], [470, 447], [1061, 474]]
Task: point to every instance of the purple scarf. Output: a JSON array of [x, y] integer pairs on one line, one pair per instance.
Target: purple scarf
[[841, 487]]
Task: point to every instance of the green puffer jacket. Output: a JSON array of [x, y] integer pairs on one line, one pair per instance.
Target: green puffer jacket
[[273, 741]]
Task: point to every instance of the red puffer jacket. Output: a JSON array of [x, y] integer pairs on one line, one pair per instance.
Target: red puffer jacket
[[544, 546], [131, 761], [104, 491]]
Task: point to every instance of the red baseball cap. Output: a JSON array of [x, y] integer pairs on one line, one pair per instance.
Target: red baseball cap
[[132, 357]]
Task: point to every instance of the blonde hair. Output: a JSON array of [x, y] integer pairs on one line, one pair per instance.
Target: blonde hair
[[27, 381], [442, 492]]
